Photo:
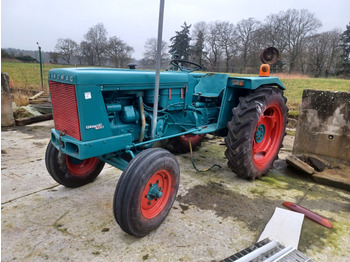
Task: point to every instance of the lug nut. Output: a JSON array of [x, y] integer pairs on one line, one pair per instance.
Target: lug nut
[[149, 203]]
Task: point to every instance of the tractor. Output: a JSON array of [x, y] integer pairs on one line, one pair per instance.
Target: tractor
[[105, 115]]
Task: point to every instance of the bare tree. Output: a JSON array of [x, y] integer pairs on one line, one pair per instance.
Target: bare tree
[[246, 35], [67, 48], [227, 38], [334, 51], [86, 52], [322, 50], [213, 51], [53, 57], [273, 32], [297, 26], [118, 51], [97, 38], [198, 36], [150, 54]]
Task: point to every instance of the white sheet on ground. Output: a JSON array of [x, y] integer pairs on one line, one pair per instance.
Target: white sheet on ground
[[284, 227]]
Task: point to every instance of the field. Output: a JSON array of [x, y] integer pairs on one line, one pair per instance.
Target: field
[[295, 86], [27, 76]]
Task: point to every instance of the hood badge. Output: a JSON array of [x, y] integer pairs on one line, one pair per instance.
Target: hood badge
[[96, 127]]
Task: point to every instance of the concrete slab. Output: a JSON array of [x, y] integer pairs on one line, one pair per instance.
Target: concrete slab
[[338, 177], [215, 215]]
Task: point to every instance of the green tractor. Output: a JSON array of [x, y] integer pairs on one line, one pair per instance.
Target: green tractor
[[110, 116]]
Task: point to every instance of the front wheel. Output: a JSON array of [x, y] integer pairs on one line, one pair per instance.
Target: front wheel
[[70, 171], [146, 191], [256, 132]]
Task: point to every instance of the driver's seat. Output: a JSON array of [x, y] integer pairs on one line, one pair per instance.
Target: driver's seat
[[211, 85]]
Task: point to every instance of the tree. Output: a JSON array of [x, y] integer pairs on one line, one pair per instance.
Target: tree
[[180, 43], [86, 52], [227, 38], [213, 51], [297, 26], [322, 50], [54, 57], [345, 53], [273, 32], [246, 36], [66, 48], [5, 54], [96, 37], [150, 54], [118, 51], [198, 36]]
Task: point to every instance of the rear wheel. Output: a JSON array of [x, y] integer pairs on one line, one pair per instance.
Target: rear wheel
[[256, 132], [70, 171], [180, 144], [146, 191]]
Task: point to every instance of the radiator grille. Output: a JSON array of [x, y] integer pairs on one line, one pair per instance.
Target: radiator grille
[[64, 106]]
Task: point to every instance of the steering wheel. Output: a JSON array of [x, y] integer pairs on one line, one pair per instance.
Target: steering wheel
[[176, 62]]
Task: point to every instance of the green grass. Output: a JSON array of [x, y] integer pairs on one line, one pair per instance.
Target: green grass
[[295, 87], [27, 76]]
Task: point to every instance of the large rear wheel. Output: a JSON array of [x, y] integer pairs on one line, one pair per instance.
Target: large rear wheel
[[146, 191], [256, 132], [70, 171]]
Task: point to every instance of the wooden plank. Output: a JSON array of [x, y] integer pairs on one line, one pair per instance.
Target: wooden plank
[[33, 119], [36, 95]]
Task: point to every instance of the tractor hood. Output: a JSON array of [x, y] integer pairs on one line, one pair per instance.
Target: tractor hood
[[109, 76]]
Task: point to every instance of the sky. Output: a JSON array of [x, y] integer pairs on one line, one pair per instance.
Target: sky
[[26, 22]]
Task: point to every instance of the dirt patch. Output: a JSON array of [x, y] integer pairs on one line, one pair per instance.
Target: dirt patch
[[226, 203]]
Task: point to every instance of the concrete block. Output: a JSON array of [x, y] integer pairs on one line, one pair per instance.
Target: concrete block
[[324, 125]]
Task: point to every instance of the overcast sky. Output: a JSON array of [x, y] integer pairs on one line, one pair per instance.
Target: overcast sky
[[25, 22]]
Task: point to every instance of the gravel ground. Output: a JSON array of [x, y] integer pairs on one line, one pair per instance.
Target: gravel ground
[[215, 215]]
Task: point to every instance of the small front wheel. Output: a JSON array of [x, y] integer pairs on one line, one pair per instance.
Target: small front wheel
[[146, 191], [70, 171]]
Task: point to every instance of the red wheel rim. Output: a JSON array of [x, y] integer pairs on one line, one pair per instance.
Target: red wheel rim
[[151, 208], [80, 167], [267, 136]]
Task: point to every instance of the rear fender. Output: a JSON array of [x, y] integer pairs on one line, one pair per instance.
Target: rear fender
[[239, 86]]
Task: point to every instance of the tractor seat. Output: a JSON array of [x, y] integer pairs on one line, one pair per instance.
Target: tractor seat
[[211, 85]]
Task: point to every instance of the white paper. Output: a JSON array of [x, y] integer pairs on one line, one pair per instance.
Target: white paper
[[284, 227]]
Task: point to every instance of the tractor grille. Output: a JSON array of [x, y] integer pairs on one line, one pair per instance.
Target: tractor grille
[[64, 106]]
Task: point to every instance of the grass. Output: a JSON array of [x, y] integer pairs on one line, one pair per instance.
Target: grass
[[27, 76], [295, 87]]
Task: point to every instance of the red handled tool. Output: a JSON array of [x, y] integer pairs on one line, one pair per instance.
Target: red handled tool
[[309, 214]]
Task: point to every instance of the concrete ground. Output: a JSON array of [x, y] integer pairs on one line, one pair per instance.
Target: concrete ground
[[215, 215]]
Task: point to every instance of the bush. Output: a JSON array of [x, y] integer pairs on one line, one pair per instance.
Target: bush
[[27, 58]]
